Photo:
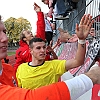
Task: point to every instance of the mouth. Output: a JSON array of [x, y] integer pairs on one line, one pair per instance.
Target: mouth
[[4, 47], [42, 55]]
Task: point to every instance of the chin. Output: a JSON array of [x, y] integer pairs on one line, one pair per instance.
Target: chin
[[41, 59]]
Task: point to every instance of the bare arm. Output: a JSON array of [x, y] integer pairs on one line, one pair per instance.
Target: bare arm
[[82, 31]]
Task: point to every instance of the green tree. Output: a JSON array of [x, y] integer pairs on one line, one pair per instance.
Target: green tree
[[15, 26]]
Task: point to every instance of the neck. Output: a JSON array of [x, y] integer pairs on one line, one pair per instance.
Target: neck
[[0, 65], [37, 62], [27, 42]]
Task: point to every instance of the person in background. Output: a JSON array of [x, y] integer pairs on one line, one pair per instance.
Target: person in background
[[49, 27], [59, 9]]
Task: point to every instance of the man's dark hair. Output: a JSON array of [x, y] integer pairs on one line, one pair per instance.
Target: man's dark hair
[[35, 39]]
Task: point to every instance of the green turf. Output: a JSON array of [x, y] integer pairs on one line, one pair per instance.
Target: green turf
[[10, 53]]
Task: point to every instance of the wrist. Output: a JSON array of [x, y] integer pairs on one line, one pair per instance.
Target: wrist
[[81, 41]]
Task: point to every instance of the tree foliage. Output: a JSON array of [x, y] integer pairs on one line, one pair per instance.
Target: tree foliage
[[15, 26]]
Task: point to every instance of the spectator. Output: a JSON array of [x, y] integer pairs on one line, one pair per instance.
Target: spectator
[[49, 27], [60, 8], [40, 72]]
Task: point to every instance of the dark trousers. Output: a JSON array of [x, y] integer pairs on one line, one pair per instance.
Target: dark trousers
[[49, 36]]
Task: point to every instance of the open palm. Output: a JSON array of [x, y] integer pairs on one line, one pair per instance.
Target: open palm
[[83, 29]]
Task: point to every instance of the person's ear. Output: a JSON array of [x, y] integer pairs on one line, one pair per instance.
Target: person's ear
[[30, 49]]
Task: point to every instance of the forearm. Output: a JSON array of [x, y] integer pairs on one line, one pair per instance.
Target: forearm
[[57, 91], [54, 46], [79, 85], [80, 54], [40, 26]]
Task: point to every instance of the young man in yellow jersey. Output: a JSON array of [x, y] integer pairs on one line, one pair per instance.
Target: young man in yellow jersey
[[39, 72]]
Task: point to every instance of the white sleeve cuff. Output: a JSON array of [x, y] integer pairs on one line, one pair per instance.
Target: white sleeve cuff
[[79, 85]]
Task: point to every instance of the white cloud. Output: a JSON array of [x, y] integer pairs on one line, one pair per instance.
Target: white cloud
[[21, 8]]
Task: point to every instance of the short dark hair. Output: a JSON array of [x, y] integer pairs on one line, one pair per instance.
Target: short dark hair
[[35, 39]]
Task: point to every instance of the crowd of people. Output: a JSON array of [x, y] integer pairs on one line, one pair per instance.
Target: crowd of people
[[39, 73]]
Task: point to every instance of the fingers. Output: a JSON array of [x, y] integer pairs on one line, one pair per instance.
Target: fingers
[[77, 28], [60, 29], [86, 20], [36, 5], [90, 25], [82, 20]]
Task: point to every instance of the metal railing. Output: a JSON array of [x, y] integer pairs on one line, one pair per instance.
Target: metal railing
[[92, 8]]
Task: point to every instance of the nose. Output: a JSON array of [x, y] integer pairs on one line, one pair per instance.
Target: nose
[[4, 37], [43, 49], [31, 33]]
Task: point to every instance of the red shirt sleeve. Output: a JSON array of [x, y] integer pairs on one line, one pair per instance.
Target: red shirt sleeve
[[56, 91], [40, 26]]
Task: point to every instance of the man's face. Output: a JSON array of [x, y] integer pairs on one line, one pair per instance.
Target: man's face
[[3, 41], [39, 50], [28, 35]]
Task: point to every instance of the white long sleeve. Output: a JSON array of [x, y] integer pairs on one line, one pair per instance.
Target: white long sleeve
[[79, 85]]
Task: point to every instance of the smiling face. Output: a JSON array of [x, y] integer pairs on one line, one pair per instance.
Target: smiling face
[[3, 41], [38, 50]]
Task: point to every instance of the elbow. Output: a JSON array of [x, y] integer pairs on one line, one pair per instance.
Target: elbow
[[80, 63]]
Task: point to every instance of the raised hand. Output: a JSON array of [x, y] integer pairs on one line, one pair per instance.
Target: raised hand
[[36, 7], [83, 29], [64, 35]]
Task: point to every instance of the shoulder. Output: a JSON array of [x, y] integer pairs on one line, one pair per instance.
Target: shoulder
[[23, 65], [7, 68]]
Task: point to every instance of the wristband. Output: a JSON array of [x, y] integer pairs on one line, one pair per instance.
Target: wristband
[[81, 41]]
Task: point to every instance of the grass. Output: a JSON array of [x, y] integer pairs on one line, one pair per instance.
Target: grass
[[10, 53]]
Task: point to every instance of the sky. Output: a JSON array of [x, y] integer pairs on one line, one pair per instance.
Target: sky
[[21, 8]]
